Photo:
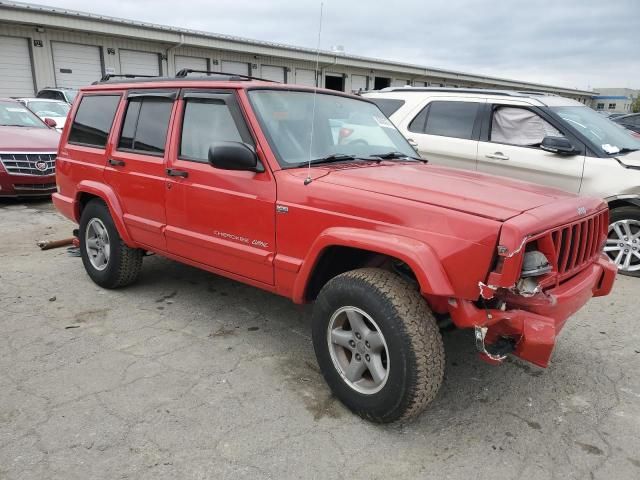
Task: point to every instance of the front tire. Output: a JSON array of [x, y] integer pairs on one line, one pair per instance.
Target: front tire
[[623, 240], [378, 345], [108, 261]]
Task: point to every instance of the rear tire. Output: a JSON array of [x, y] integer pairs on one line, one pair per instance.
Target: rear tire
[[378, 305], [108, 261], [623, 242]]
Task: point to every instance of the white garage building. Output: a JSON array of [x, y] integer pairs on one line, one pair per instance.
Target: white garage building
[[52, 47]]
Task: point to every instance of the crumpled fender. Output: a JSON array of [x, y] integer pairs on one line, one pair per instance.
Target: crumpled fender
[[419, 256], [107, 194]]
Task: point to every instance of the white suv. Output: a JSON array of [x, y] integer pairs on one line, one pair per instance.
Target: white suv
[[530, 136]]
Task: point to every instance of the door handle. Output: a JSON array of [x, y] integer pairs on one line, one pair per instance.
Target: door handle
[[116, 163], [412, 142], [172, 172], [497, 156]]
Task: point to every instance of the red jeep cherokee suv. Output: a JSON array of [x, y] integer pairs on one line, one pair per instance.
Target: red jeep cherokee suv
[[258, 182], [27, 152]]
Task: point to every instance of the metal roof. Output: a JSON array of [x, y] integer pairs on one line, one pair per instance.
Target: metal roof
[[425, 71]]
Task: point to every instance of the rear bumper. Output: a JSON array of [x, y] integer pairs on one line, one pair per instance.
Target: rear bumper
[[65, 205], [534, 323], [26, 185]]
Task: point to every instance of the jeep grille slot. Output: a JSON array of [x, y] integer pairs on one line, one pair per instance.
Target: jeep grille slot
[[576, 245], [28, 163]]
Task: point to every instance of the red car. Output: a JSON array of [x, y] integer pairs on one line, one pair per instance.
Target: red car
[[249, 180], [27, 152]]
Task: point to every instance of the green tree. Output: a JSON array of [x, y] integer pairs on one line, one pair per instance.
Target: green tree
[[635, 106]]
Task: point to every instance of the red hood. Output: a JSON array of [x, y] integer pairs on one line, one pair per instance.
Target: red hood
[[27, 139], [478, 194]]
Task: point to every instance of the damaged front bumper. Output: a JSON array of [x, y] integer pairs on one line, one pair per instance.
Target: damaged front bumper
[[531, 324]]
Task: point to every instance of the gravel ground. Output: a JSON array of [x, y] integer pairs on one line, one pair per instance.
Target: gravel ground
[[186, 375]]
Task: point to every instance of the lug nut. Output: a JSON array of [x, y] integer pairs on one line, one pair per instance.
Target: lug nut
[[358, 336], [366, 344], [358, 357], [367, 357], [352, 343]]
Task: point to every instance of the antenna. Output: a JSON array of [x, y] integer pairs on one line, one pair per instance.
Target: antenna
[[308, 180]]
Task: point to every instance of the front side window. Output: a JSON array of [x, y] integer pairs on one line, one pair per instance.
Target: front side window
[[447, 119], [521, 127], [14, 114], [145, 125], [92, 123], [341, 126], [206, 122]]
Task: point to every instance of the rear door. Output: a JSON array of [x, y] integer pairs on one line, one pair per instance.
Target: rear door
[[221, 218], [136, 164], [510, 147], [446, 130]]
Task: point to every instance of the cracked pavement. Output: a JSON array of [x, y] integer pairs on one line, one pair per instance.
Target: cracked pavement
[[188, 375]]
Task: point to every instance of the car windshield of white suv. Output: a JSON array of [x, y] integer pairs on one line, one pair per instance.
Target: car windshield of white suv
[[344, 129], [610, 137], [49, 109], [14, 114]]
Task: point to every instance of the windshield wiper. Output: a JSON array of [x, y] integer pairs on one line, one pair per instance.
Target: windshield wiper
[[395, 155], [11, 125], [628, 150], [336, 157]]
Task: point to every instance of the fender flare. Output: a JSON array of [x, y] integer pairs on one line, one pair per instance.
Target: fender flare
[[630, 198], [109, 197], [418, 255]]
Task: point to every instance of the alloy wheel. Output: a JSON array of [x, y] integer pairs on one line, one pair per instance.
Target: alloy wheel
[[97, 244], [623, 245], [358, 350]]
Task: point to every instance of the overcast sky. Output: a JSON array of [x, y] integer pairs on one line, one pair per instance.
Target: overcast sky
[[572, 43]]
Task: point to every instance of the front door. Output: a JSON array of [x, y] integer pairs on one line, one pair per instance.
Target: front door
[[220, 218], [511, 148], [136, 164]]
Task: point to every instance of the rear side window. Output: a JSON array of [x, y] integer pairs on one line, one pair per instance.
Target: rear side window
[[447, 119], [145, 125], [93, 120], [206, 122], [389, 106]]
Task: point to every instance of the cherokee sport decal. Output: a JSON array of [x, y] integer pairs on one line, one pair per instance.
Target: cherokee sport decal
[[241, 239]]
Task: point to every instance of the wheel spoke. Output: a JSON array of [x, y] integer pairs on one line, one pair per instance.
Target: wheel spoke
[[619, 257], [613, 241], [627, 229], [612, 249], [376, 368], [636, 254], [618, 230], [92, 243], [375, 341], [100, 259], [341, 337], [627, 260], [355, 370], [356, 321]]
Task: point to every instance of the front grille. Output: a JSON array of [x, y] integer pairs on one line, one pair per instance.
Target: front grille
[[574, 246], [27, 163], [34, 186]]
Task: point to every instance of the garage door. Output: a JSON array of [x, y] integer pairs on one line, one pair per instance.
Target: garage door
[[397, 82], [306, 77], [239, 68], [16, 79], [275, 74], [133, 62], [193, 63], [358, 83], [76, 65]]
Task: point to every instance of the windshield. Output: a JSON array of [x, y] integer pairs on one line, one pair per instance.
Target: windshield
[[610, 137], [49, 109], [343, 126], [17, 115]]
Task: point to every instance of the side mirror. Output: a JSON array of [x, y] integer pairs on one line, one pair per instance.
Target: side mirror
[[51, 123], [234, 156], [559, 145]]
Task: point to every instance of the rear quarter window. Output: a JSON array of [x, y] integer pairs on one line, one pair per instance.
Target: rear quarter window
[[389, 106], [93, 120]]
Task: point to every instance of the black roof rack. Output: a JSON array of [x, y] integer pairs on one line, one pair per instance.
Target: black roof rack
[[109, 76], [230, 76]]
